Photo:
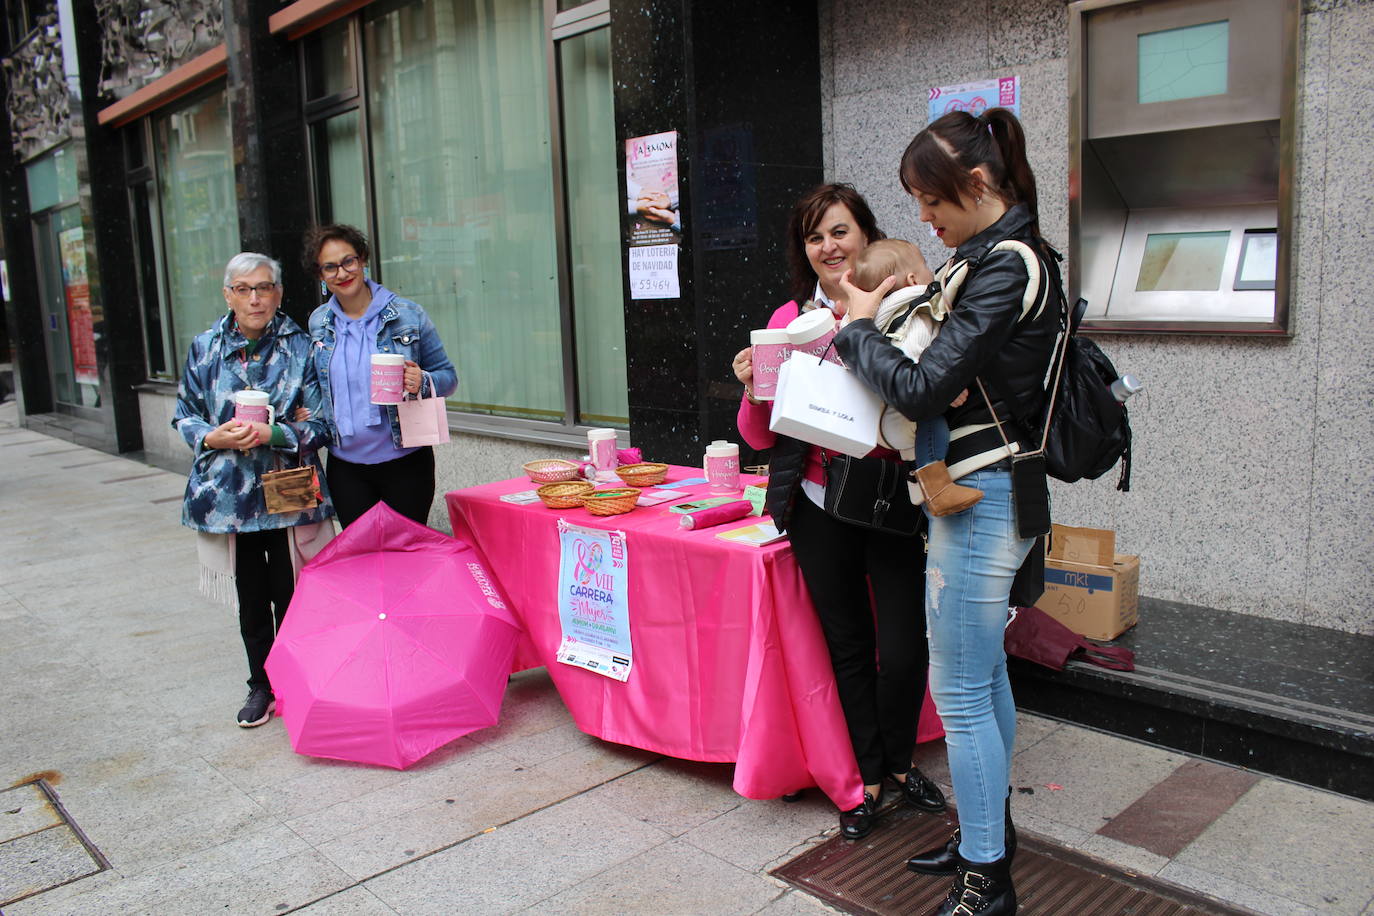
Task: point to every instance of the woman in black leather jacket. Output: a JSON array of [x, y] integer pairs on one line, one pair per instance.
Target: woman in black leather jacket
[[877, 648], [973, 185]]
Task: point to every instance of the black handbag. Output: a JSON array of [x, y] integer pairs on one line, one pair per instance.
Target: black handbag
[[869, 493]]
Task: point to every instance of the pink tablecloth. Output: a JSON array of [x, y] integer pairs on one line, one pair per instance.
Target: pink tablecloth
[[729, 660]]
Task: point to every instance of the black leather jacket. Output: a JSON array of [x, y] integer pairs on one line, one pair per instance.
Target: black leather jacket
[[984, 335]]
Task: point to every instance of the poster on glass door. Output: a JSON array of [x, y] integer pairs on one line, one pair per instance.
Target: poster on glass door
[[655, 211], [77, 288]]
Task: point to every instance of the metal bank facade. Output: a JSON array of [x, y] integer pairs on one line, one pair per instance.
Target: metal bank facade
[[1217, 220]]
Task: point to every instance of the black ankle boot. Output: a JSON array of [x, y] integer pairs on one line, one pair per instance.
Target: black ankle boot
[[980, 890], [941, 860]]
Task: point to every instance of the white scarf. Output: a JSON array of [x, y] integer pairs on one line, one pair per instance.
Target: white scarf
[[218, 558]]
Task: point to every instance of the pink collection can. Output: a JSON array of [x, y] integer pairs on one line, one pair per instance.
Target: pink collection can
[[388, 378], [250, 406], [811, 332], [770, 348], [721, 465], [601, 449]]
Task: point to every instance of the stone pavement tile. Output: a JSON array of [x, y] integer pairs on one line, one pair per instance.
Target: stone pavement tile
[[796, 903], [533, 749], [531, 706], [757, 834], [251, 758], [483, 802], [673, 795], [1032, 729], [1175, 812], [261, 857], [324, 783], [471, 773], [25, 809], [674, 878], [356, 901], [141, 823], [1235, 892], [32, 864], [1295, 842], [1122, 855], [520, 864], [1048, 828], [1100, 776]]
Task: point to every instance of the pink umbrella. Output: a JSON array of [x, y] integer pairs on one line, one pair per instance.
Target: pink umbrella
[[396, 643]]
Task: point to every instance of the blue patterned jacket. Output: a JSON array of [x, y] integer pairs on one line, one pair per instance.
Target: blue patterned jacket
[[223, 493]]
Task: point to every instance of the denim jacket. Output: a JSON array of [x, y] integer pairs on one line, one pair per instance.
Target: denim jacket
[[405, 329], [224, 492]]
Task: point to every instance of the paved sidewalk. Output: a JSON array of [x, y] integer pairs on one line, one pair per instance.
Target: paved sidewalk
[[119, 686]]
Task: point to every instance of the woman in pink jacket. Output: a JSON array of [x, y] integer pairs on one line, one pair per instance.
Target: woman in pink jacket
[[878, 648]]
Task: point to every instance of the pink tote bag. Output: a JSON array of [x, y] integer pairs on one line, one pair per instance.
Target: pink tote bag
[[424, 420]]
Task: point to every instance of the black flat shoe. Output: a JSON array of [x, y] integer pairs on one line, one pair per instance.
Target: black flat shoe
[[856, 823], [920, 792]]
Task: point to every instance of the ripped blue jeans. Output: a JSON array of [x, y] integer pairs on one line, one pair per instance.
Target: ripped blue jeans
[[973, 558]]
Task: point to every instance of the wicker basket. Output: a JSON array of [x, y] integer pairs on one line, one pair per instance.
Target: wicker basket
[[615, 501], [552, 470], [565, 495], [644, 474]]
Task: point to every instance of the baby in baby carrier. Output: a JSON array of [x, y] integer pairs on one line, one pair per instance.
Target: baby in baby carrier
[[907, 318]]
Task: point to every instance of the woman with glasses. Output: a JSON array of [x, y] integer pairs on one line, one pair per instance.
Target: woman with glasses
[[367, 463], [246, 553]]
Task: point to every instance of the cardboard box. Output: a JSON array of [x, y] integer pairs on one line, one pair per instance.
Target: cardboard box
[[1089, 587]]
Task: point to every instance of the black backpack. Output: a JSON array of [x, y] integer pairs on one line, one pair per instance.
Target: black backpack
[[1089, 429]]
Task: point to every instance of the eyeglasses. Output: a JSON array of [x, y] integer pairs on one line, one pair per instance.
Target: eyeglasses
[[243, 290], [349, 264]]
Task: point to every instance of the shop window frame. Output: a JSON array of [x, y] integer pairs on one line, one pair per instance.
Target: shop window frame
[[147, 172], [569, 430]]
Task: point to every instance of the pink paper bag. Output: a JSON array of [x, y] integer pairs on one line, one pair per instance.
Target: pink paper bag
[[424, 420]]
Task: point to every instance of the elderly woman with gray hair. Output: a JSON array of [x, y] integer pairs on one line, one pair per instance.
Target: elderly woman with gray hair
[[249, 556]]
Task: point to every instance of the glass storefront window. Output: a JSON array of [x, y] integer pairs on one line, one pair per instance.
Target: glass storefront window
[[51, 180], [461, 162], [199, 214], [593, 204], [330, 70], [339, 170]]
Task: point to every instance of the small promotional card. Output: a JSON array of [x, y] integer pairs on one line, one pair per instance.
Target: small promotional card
[[654, 497], [689, 482], [697, 505], [759, 534], [522, 498]]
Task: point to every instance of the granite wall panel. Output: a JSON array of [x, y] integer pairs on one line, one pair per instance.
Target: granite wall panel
[[1250, 490]]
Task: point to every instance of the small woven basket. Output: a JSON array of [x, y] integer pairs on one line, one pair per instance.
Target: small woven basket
[[565, 495], [552, 470], [644, 474], [616, 501]]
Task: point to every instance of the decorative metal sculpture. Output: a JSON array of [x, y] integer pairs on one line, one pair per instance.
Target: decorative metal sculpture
[[37, 102], [142, 40]]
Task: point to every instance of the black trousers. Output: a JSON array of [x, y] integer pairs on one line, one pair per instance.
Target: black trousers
[[263, 578], [878, 648], [406, 484]]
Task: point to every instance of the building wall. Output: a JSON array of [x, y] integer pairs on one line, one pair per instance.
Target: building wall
[[1251, 490]]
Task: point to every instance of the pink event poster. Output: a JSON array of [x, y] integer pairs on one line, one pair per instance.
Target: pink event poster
[[975, 98], [655, 210]]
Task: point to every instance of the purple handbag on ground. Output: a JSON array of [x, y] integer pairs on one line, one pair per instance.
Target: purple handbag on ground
[[1037, 637]]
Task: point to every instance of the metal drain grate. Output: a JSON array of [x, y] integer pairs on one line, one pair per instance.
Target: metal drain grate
[[870, 877], [40, 847]]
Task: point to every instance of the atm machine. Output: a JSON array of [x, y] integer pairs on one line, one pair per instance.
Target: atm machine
[[1181, 163]]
